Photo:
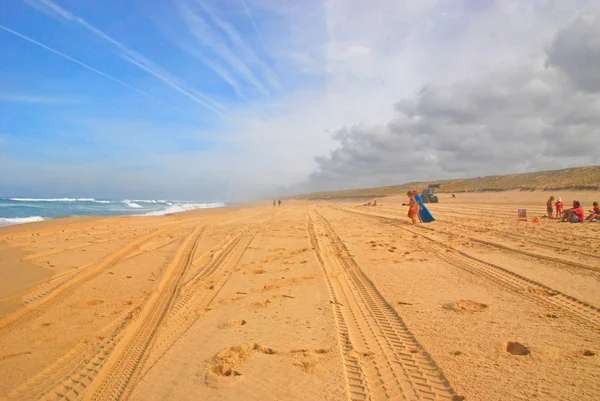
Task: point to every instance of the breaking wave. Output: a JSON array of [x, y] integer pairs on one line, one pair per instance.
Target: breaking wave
[[184, 207], [131, 204], [7, 221], [43, 200], [57, 200]]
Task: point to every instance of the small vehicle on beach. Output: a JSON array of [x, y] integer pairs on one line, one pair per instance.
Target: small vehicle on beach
[[428, 195]]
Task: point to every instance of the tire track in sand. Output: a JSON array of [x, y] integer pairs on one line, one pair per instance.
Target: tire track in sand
[[57, 281], [524, 238], [66, 289], [534, 255], [382, 358], [503, 247], [196, 294], [69, 376], [583, 312], [124, 366]]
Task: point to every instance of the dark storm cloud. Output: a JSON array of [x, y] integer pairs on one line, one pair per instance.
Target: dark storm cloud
[[576, 51], [527, 118]]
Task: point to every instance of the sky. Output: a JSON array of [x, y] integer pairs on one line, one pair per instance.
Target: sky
[[246, 99]]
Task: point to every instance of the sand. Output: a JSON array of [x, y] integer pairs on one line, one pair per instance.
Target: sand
[[312, 301]]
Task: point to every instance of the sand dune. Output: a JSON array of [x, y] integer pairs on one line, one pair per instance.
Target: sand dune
[[577, 178], [310, 301]]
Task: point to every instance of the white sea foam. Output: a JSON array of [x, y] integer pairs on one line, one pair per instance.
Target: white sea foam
[[43, 200], [7, 221], [149, 201], [184, 207], [101, 201], [86, 200], [130, 203]]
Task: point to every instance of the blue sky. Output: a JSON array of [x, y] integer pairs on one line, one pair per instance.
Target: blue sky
[[235, 99], [116, 83]]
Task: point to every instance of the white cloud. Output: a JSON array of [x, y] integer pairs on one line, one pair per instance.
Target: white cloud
[[523, 118], [221, 43]]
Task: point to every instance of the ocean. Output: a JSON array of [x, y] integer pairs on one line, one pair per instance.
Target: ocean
[[26, 210]]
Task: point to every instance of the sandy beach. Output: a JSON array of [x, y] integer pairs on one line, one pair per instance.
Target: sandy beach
[[307, 301]]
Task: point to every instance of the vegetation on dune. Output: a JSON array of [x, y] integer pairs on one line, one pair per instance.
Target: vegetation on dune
[[579, 178]]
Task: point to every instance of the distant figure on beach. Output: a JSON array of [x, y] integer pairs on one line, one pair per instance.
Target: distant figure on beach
[[559, 208], [279, 202], [595, 213], [550, 207], [274, 203], [574, 215], [412, 207], [454, 196], [375, 202]]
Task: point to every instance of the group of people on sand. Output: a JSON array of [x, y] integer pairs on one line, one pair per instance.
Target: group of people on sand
[[576, 214], [275, 202], [371, 204]]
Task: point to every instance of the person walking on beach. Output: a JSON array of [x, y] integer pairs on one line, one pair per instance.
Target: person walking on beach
[[279, 202], [412, 207], [550, 207], [418, 202], [274, 203]]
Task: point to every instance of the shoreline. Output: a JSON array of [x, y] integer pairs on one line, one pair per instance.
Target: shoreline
[[148, 213]]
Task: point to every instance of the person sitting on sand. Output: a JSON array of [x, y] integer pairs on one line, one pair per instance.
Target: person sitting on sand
[[559, 208], [375, 202], [550, 208], [574, 215], [595, 213], [412, 207]]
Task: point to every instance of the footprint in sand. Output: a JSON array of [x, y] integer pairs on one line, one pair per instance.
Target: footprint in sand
[[301, 279], [234, 323], [262, 304], [92, 302], [269, 287], [467, 306], [232, 299], [258, 271], [8, 356], [222, 370], [515, 348], [309, 360], [585, 352]]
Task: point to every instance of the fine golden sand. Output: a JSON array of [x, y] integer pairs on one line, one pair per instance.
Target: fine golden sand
[[312, 301]]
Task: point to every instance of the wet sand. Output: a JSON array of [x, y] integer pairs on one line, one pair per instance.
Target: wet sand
[[311, 301]]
